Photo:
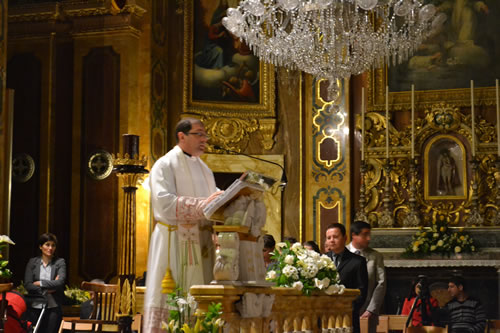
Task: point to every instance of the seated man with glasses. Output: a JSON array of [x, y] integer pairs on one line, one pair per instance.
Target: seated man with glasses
[[181, 186]]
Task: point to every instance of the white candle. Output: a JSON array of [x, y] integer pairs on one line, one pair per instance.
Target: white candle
[[498, 118], [362, 123], [387, 122], [472, 116], [412, 122]]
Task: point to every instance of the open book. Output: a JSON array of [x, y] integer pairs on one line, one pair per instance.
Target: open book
[[250, 182]]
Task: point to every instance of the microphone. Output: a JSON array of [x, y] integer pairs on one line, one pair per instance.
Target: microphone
[[283, 180]]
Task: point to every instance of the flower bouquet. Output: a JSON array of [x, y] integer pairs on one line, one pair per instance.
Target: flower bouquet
[[440, 239], [185, 317], [5, 273], [304, 270]]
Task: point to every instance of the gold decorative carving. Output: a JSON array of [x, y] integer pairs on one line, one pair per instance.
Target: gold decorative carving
[[441, 120], [267, 127], [70, 9], [230, 133]]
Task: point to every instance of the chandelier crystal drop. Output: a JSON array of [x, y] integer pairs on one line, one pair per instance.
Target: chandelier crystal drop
[[333, 39]]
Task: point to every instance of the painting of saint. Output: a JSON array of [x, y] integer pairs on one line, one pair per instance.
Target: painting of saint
[[224, 68], [465, 48], [445, 169]]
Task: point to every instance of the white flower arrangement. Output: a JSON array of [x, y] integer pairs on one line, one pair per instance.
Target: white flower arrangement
[[304, 270]]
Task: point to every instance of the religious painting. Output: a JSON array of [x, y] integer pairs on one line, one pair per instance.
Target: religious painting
[[466, 48], [445, 169], [221, 74]]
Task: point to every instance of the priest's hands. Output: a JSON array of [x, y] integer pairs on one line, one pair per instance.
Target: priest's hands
[[191, 209], [212, 197]]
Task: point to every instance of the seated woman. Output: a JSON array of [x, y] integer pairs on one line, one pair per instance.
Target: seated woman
[[45, 276], [424, 306]]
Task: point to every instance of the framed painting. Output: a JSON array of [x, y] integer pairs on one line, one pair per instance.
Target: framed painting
[[466, 48], [445, 169], [222, 77]]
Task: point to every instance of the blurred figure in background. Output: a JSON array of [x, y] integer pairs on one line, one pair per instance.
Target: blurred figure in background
[[465, 314], [424, 304], [311, 245], [360, 241], [269, 245]]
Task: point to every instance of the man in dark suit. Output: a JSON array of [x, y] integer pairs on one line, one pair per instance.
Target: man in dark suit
[[351, 268]]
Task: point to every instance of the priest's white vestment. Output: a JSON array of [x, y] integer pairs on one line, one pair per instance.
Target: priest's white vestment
[[179, 186]]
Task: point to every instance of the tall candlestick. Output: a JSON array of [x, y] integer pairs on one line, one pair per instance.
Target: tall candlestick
[[412, 122], [387, 122], [473, 118], [498, 118], [131, 145], [362, 123]]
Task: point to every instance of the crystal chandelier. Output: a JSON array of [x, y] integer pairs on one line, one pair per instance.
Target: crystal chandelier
[[333, 39]]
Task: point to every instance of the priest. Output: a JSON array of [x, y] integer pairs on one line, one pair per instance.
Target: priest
[[181, 250]]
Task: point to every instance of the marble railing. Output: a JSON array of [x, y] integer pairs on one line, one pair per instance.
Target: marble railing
[[265, 309]]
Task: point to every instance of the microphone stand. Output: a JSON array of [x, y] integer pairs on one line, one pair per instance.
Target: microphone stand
[[283, 180], [410, 316]]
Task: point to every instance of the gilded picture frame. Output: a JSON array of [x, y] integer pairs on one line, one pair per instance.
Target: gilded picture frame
[[445, 169], [401, 101], [222, 78]]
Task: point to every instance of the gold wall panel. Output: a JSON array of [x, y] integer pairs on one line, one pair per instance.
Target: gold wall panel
[[327, 181]]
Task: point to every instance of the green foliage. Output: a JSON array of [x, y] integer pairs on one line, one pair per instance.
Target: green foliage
[[184, 317], [5, 272], [22, 289], [76, 295]]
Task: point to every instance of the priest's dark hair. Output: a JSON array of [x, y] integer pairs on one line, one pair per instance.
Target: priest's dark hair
[[338, 226], [184, 125], [358, 226], [47, 237]]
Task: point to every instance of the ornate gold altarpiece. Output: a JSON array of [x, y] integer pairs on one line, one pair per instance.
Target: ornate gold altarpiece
[[443, 127]]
